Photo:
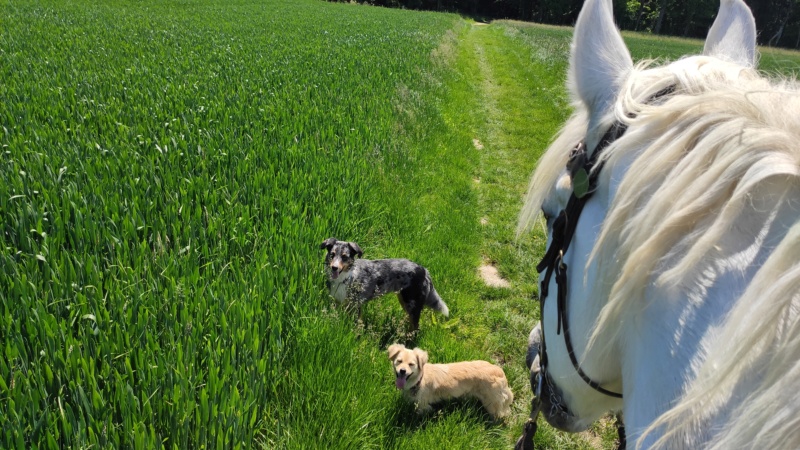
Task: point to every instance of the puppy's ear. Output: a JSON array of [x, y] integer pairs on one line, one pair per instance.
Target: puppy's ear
[[422, 357], [354, 247], [394, 349], [327, 244]]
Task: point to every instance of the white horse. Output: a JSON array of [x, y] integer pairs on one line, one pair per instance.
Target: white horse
[[683, 286]]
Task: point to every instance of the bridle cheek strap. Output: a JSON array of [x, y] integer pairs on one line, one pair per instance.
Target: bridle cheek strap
[[584, 180], [561, 281]]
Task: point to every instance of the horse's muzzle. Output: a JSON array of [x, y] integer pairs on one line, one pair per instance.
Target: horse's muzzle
[[555, 411]]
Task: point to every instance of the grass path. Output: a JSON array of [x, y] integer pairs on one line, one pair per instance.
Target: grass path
[[519, 103], [497, 107]]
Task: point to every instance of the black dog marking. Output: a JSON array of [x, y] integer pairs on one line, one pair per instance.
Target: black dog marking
[[357, 281]]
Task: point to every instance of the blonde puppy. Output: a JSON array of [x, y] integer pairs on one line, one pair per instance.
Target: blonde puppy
[[425, 383]]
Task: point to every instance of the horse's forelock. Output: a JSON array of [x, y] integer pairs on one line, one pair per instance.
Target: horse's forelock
[[716, 114]]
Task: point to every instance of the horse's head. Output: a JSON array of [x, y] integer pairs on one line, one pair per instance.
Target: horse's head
[[604, 84]]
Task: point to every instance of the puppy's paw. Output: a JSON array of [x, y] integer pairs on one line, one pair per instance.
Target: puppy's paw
[[423, 409]]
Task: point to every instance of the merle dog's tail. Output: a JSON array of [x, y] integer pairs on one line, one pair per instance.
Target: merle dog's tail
[[433, 300]]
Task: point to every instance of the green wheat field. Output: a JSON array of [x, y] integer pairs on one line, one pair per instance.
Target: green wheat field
[[169, 169]]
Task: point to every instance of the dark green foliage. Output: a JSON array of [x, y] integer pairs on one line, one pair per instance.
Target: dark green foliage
[[778, 21]]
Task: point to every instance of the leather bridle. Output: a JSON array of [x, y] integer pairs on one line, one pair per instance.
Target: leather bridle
[[584, 176], [584, 171], [584, 182]]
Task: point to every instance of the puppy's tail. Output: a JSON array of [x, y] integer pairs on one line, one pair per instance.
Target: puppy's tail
[[504, 399], [433, 300], [508, 399]]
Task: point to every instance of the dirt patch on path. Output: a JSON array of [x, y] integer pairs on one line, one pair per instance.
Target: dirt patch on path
[[491, 276]]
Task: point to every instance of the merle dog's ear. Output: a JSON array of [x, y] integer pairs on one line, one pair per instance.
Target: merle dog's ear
[[327, 244], [422, 356], [394, 349], [356, 248]]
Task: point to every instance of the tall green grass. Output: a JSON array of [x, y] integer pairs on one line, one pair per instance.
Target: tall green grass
[[169, 169]]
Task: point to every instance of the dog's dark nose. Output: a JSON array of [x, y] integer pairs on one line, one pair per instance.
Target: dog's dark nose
[[401, 373]]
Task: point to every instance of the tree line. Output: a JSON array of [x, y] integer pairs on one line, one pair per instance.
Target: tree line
[[777, 21]]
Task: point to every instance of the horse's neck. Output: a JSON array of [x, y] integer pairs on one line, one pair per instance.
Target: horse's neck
[[664, 345], [662, 353]]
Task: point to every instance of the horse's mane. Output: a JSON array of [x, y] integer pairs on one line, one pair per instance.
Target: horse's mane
[[725, 145]]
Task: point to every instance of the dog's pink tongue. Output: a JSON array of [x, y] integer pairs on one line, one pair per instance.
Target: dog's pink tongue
[[400, 382]]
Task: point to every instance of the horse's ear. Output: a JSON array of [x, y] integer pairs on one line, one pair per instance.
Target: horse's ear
[[599, 60], [732, 37]]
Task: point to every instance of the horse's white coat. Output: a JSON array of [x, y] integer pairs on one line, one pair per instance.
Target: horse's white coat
[[690, 297]]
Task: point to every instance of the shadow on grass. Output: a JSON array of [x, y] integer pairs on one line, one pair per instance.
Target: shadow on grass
[[384, 326], [467, 409]]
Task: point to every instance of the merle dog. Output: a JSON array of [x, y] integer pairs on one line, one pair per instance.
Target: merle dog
[[357, 281]]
